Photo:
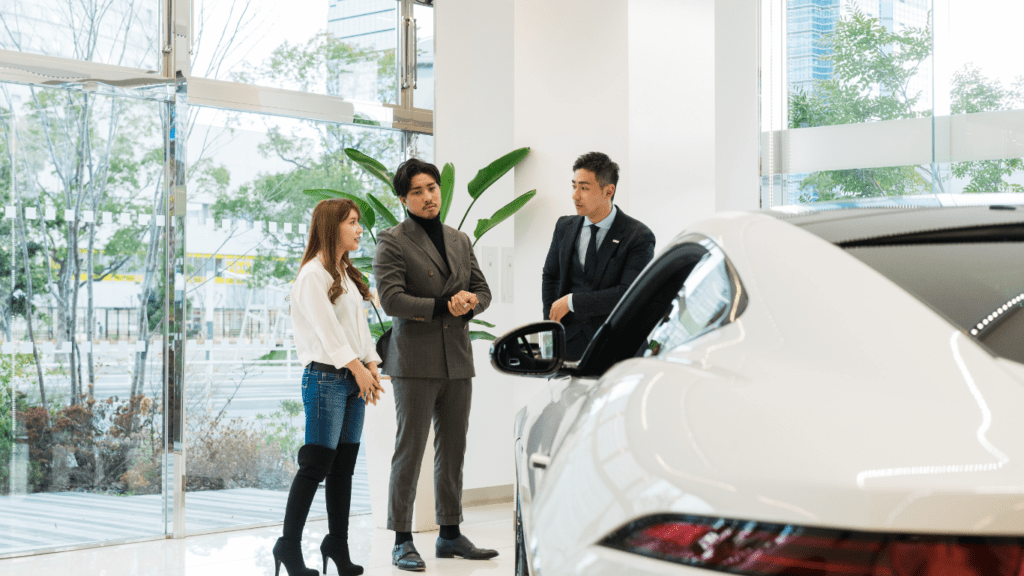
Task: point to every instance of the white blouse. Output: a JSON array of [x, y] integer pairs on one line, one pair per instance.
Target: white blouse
[[329, 333]]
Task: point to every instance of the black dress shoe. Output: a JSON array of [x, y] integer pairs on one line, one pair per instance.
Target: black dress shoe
[[461, 546], [406, 557]]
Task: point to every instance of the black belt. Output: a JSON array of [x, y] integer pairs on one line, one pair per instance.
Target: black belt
[[321, 367]]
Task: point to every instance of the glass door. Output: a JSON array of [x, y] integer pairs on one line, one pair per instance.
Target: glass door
[[247, 227], [81, 309]]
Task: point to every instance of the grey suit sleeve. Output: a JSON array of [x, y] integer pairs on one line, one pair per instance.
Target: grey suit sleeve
[[389, 269], [477, 282]]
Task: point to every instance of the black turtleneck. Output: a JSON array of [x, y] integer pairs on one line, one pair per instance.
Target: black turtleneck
[[435, 231]]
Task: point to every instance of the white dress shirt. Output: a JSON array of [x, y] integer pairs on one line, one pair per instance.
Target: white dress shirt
[[602, 230], [332, 334]]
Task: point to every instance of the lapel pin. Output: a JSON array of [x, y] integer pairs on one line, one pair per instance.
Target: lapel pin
[[615, 241]]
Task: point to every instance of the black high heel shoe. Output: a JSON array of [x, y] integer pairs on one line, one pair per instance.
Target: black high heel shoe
[[337, 549], [338, 493], [289, 553]]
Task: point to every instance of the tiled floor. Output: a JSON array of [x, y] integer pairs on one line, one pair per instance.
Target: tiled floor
[[248, 552]]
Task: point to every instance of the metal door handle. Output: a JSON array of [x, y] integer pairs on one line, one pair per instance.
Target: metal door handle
[[406, 22], [539, 461], [415, 54]]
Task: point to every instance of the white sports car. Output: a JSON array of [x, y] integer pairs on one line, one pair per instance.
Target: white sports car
[[831, 393]]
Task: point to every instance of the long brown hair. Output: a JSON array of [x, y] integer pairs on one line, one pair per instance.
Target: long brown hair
[[323, 240]]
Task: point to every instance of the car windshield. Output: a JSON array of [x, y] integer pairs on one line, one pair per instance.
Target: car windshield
[[978, 286]]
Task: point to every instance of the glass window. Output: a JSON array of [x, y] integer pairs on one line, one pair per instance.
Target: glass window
[[973, 87], [420, 146], [423, 95], [829, 82], [700, 305], [935, 79], [343, 48], [247, 231], [119, 32], [81, 309]]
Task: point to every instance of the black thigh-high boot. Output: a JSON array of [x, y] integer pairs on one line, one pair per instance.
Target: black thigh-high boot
[[338, 491], [314, 463]]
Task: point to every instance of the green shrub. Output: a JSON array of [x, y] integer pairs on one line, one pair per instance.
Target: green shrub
[[94, 445], [116, 445], [238, 454]]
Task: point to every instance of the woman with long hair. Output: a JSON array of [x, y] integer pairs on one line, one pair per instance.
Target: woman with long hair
[[333, 341]]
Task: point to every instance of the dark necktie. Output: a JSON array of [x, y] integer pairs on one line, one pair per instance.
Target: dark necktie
[[590, 264]]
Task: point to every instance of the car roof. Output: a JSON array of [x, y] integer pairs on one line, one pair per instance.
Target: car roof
[[855, 225]]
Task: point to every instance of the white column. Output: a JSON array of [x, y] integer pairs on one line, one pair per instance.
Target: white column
[[737, 131]]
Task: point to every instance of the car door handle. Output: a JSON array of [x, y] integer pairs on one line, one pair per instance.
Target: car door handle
[[539, 461]]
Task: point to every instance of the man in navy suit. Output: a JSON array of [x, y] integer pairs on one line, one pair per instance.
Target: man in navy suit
[[594, 256]]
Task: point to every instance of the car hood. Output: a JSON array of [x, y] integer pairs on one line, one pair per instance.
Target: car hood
[[927, 456], [810, 409]]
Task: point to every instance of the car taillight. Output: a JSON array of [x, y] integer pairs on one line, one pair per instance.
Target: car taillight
[[761, 549]]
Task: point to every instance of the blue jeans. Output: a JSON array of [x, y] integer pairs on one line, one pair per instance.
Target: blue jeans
[[334, 410]]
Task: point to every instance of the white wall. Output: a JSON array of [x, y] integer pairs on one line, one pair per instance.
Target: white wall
[[473, 121], [571, 97], [672, 113], [636, 79]]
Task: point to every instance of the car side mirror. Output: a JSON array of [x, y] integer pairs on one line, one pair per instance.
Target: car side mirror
[[536, 349]]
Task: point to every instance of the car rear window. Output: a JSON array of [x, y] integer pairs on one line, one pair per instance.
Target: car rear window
[[978, 286]]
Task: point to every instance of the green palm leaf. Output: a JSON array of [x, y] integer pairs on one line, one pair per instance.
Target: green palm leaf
[[382, 210], [362, 261], [503, 213], [447, 188], [365, 209], [377, 329], [481, 322], [372, 166], [321, 194], [495, 170], [479, 335]]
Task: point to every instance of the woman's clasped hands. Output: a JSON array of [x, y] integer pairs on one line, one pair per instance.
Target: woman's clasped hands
[[368, 379]]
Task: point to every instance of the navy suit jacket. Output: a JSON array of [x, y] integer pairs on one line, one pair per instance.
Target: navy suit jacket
[[626, 249]]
